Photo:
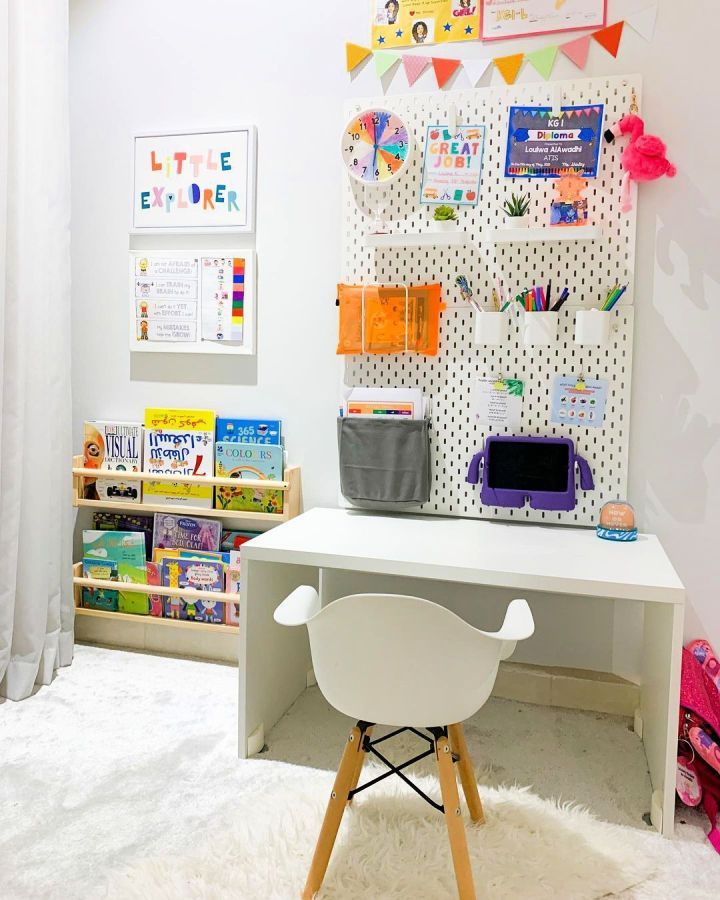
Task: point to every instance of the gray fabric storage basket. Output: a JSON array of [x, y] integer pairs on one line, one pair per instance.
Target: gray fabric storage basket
[[384, 463]]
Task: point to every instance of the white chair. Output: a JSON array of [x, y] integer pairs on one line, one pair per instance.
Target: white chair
[[402, 661]]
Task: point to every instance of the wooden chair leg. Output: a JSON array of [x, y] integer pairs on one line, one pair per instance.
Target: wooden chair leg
[[467, 773], [453, 820], [360, 763], [334, 813]]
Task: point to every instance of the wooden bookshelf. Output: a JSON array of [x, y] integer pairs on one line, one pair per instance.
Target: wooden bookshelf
[[152, 633]]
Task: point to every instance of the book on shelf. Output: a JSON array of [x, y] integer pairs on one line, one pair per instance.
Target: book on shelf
[[179, 442], [112, 447], [186, 533], [249, 431], [155, 601], [202, 575], [127, 550], [100, 598], [263, 462], [120, 521], [233, 540], [232, 586]]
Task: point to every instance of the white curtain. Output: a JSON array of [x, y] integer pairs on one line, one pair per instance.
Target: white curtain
[[36, 612]]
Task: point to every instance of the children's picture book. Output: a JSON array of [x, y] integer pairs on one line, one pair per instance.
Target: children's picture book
[[111, 521], [127, 549], [202, 575], [186, 533], [249, 431], [100, 598], [115, 447], [220, 556], [154, 576], [233, 540], [232, 586], [179, 442], [263, 462]]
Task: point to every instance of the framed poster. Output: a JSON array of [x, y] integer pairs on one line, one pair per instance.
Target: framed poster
[[413, 23], [194, 301], [452, 164], [541, 144], [504, 19], [194, 181]]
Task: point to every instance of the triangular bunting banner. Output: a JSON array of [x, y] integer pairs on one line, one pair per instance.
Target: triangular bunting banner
[[577, 51], [509, 66], [609, 37], [384, 61], [414, 67], [355, 54], [476, 68], [444, 69], [543, 60], [644, 22]]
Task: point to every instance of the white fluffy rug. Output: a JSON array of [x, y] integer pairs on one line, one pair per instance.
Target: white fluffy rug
[[120, 780]]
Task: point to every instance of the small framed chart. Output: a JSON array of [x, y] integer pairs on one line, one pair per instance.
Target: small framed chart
[[376, 146], [192, 301]]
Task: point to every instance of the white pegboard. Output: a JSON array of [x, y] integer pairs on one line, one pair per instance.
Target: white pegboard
[[590, 267]]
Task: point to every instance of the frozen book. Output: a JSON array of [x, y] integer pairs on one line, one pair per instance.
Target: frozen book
[[100, 598], [263, 462], [179, 442], [202, 575], [127, 549], [116, 447], [186, 533], [249, 431]]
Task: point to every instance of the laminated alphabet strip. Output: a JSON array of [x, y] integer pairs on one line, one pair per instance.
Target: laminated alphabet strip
[[542, 59]]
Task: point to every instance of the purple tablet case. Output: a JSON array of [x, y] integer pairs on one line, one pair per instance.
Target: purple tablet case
[[538, 469]]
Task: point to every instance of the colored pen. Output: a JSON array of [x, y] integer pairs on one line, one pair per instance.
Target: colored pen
[[559, 302], [615, 299], [547, 293]]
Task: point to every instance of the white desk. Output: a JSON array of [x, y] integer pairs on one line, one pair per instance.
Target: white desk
[[274, 661]]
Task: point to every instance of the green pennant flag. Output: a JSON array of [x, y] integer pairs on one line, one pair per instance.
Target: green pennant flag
[[384, 61], [543, 60]]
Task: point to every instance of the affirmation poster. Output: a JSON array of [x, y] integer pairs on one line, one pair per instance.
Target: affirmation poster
[[452, 164], [198, 180], [223, 298], [503, 19], [541, 144], [498, 401], [579, 402], [412, 23]]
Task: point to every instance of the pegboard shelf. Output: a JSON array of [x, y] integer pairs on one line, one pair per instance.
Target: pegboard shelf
[[419, 239], [546, 233]]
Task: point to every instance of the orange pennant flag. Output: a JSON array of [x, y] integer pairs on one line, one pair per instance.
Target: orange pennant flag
[[354, 55], [509, 66], [609, 37], [444, 69]]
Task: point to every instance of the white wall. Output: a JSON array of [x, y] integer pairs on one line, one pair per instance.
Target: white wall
[[143, 64]]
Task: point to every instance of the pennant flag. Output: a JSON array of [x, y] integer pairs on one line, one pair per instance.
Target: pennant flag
[[543, 60], [384, 61], [609, 37], [476, 68], [577, 51], [414, 67], [644, 22], [509, 66], [354, 55], [444, 69]]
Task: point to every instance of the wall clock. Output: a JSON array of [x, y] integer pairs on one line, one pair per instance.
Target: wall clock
[[376, 146]]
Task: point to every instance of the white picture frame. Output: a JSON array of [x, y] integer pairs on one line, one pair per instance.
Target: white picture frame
[[209, 347], [197, 181]]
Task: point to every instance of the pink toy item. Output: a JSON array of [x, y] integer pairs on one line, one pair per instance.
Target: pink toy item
[[643, 159]]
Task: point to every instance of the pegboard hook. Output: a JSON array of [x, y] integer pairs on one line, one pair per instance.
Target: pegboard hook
[[452, 118], [556, 99]]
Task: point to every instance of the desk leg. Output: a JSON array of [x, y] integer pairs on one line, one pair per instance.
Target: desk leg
[[273, 660], [659, 702]]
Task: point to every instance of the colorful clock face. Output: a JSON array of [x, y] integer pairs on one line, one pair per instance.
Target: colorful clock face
[[376, 146]]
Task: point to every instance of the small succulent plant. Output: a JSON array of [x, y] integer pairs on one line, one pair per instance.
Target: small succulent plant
[[444, 214], [517, 206]]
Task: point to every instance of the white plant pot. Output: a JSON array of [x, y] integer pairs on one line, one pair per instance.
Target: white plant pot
[[517, 221], [592, 327], [491, 327], [539, 328], [445, 225]]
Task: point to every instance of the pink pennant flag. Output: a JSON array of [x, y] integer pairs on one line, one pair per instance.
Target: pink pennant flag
[[577, 51], [414, 67]]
